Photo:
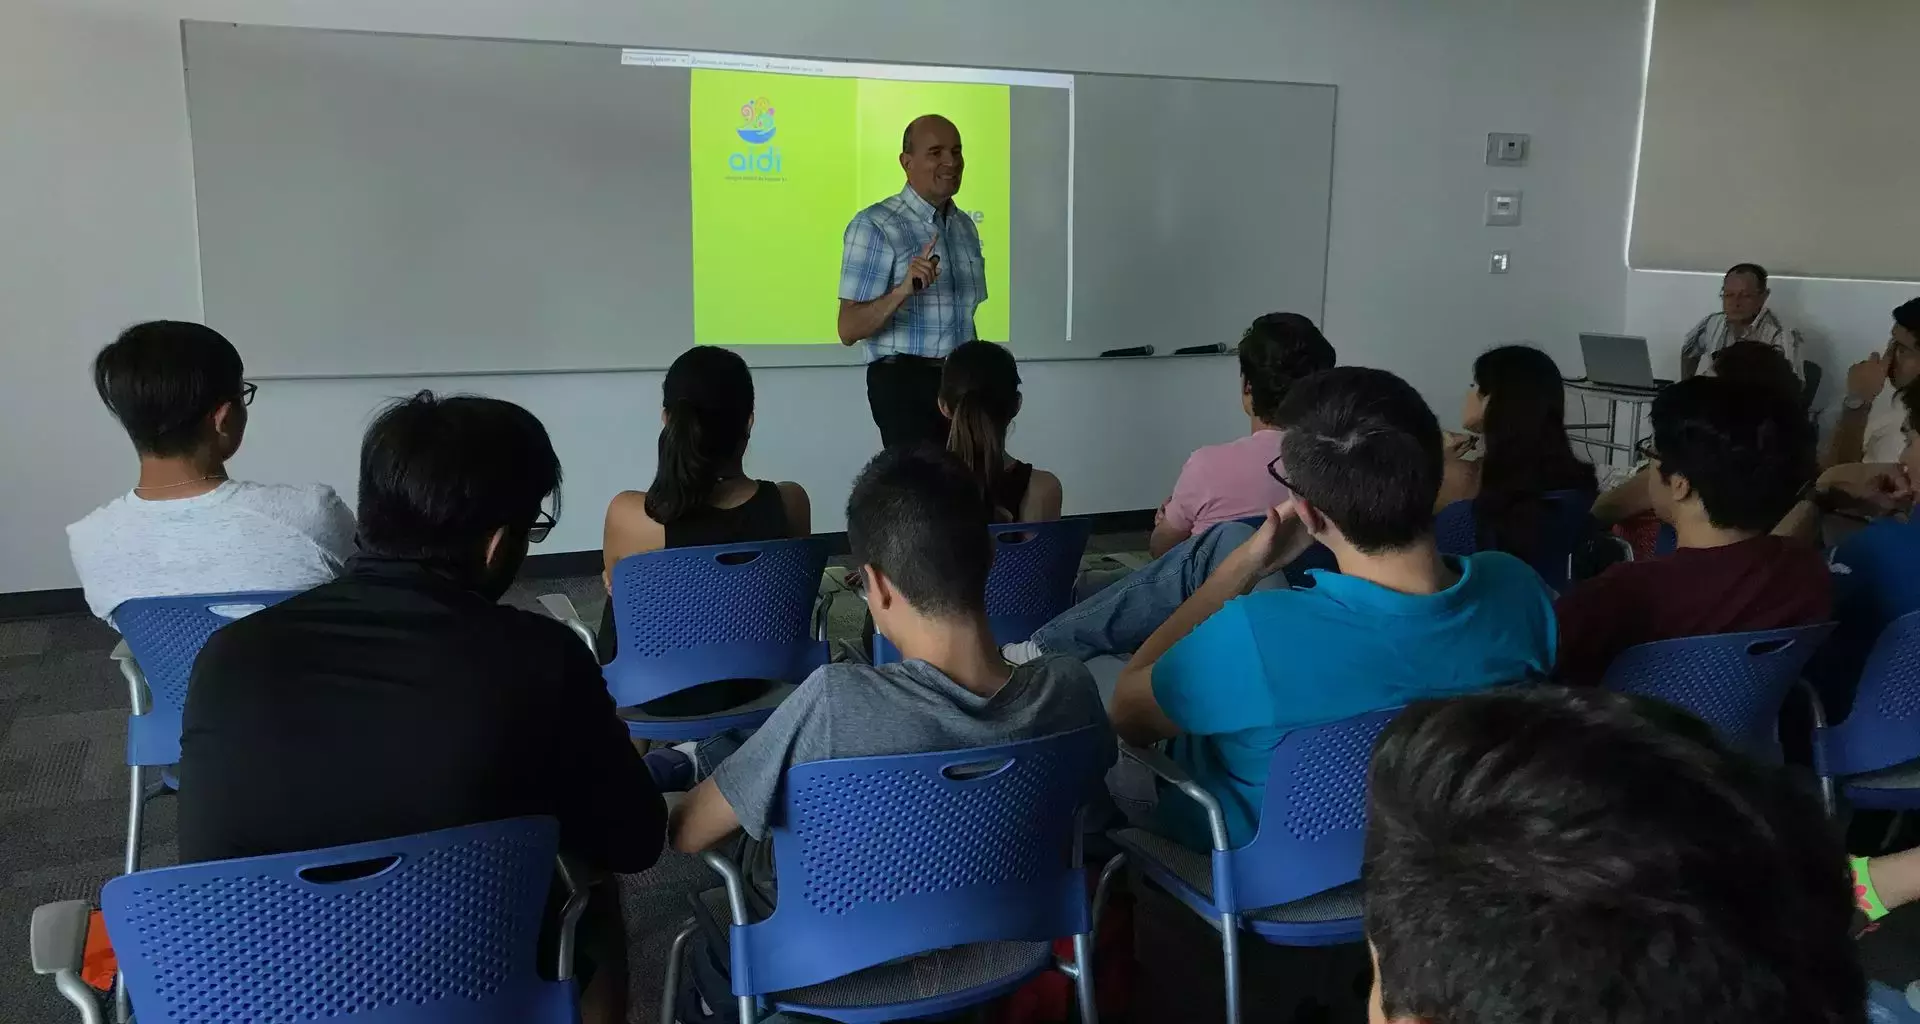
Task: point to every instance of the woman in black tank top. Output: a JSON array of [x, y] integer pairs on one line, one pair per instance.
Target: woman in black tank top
[[980, 396], [700, 495]]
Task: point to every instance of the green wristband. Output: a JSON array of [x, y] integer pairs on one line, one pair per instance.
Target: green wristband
[[1863, 895]]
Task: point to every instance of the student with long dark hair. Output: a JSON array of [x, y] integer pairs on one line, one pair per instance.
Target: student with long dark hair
[[700, 493], [980, 396], [1517, 407]]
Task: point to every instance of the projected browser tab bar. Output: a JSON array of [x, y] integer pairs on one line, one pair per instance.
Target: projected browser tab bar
[[637, 57]]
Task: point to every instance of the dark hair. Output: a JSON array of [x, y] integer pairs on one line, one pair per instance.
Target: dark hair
[[919, 518], [1277, 350], [1363, 448], [1525, 451], [1754, 270], [1761, 367], [980, 387], [1746, 453], [163, 379], [1547, 854], [1907, 315], [708, 398], [439, 475]]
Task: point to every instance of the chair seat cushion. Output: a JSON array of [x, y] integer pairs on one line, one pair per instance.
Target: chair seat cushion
[[765, 703], [1900, 776], [930, 975], [1195, 869]]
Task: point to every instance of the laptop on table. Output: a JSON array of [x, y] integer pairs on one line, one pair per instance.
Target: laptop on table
[[1619, 361]]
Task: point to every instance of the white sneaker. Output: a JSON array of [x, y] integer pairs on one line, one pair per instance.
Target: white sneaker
[[1022, 652]]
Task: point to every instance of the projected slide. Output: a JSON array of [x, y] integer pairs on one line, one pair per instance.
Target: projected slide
[[781, 162], [782, 154]]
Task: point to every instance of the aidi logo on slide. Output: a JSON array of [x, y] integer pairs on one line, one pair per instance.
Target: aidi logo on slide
[[759, 161], [756, 122]]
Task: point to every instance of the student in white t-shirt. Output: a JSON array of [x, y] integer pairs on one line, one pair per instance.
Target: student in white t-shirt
[[1873, 415], [185, 528]]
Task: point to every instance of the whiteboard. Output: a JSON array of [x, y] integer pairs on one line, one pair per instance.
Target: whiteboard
[[389, 205]]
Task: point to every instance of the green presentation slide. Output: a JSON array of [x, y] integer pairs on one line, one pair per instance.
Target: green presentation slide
[[781, 162]]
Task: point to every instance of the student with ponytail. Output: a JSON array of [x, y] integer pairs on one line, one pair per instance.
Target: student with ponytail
[[980, 396], [700, 493]]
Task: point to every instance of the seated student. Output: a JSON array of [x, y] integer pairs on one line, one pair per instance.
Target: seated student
[[1543, 854], [1229, 481], [917, 524], [980, 396], [1746, 364], [403, 698], [186, 528], [700, 495], [1872, 415], [1517, 409], [1876, 571], [1726, 464], [1231, 672], [1743, 316]]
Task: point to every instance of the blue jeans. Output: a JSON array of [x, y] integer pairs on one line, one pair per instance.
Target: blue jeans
[[1117, 620]]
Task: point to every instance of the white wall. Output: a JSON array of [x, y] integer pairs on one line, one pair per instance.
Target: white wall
[[97, 222], [1840, 322]]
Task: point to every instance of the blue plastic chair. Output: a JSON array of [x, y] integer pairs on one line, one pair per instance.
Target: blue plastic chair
[[1031, 581], [1735, 682], [162, 637], [970, 856], [440, 927], [688, 616], [1296, 882], [1665, 540], [1569, 522], [1875, 752]]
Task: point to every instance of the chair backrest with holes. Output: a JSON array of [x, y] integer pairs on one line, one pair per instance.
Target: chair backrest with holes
[[884, 857], [688, 616], [1734, 682], [1455, 531], [1567, 523], [165, 635], [1883, 729], [1313, 819], [436, 927], [1035, 566]]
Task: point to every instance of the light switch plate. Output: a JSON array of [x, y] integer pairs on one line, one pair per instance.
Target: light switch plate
[[1503, 208], [1499, 262], [1508, 149]]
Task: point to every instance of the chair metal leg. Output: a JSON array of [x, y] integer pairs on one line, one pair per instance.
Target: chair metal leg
[[1083, 978], [136, 805], [1102, 888], [672, 983], [81, 996], [1230, 955], [747, 1010]]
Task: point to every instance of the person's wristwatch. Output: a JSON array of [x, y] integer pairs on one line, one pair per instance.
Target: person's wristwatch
[[1854, 403], [1818, 496]]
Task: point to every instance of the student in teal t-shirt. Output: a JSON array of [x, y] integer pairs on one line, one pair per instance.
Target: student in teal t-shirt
[[1232, 672]]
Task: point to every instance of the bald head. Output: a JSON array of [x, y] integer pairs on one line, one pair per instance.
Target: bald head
[[930, 154]]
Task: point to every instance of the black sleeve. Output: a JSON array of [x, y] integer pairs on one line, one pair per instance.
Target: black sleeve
[[611, 814]]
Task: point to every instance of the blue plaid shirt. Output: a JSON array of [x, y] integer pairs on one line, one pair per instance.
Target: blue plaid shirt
[[880, 242]]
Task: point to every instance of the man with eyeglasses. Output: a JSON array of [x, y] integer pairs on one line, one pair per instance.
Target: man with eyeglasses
[[1743, 316], [186, 527], [1873, 415], [1726, 463], [404, 698]]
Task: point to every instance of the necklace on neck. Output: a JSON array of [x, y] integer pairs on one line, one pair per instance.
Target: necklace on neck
[[184, 483]]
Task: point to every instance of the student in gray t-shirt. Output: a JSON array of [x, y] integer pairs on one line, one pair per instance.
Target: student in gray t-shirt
[[917, 524]]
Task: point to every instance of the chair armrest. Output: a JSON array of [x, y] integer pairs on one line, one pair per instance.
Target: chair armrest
[[560, 607], [1177, 777], [736, 886], [58, 936], [139, 698], [57, 939], [578, 878]]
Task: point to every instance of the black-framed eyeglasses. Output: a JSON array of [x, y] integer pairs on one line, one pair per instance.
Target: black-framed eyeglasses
[[543, 524], [247, 390], [1273, 470]]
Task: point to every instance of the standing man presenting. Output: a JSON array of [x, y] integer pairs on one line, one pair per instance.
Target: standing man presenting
[[911, 276]]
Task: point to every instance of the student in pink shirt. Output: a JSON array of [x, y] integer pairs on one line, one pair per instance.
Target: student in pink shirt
[[1229, 481]]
